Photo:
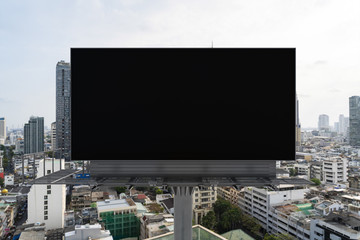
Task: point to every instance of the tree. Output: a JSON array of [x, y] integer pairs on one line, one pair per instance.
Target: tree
[[278, 236], [221, 206], [209, 220], [120, 190], [1, 182], [316, 181], [293, 172], [250, 223], [158, 191], [230, 219]]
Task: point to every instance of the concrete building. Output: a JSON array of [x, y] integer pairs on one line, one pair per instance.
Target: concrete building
[[53, 136], [63, 109], [119, 216], [203, 200], [336, 226], [9, 180], [2, 130], [80, 197], [230, 194], [46, 203], [34, 135], [354, 121], [316, 170], [86, 232], [303, 170], [335, 170], [323, 123], [257, 202], [19, 145], [154, 225]]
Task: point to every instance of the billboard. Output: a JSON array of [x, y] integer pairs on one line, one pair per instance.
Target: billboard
[[175, 111]]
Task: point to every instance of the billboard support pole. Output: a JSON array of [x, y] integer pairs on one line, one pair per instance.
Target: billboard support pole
[[183, 212]]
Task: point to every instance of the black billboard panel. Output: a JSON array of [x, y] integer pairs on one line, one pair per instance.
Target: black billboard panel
[[183, 104]]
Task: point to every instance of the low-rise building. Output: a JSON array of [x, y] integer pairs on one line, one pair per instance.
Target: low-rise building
[[85, 232], [336, 226], [119, 216], [230, 194], [155, 225], [80, 197]]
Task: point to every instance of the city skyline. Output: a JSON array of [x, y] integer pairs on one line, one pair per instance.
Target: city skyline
[[36, 36]]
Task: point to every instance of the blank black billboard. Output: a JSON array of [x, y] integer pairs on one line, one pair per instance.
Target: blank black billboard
[[183, 104]]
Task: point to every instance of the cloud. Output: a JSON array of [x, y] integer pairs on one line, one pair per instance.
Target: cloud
[[334, 90]]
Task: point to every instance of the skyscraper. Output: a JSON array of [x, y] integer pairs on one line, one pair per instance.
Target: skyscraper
[[34, 135], [63, 110], [2, 130], [354, 121], [53, 136], [323, 123]]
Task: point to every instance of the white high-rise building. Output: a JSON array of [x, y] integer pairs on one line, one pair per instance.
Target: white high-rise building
[[260, 204], [46, 203], [335, 170], [323, 123], [2, 130]]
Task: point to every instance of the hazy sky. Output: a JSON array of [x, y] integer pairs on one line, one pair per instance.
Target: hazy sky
[[35, 35]]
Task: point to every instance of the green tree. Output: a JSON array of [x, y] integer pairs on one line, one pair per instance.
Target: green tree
[[158, 191], [220, 207], [316, 181], [209, 220], [230, 219], [1, 182], [278, 236], [293, 172], [250, 223], [120, 190]]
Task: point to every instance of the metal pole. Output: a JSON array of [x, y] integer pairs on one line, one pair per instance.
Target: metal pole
[[22, 163], [60, 157], [53, 161], [34, 166], [183, 212], [44, 163]]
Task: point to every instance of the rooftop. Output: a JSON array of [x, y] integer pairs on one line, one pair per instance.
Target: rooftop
[[115, 204], [199, 233]]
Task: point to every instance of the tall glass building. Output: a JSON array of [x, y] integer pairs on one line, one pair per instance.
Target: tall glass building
[[63, 109], [354, 121], [2, 130], [34, 135]]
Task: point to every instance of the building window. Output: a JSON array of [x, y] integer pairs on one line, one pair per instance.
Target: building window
[[48, 171], [45, 197], [196, 194], [45, 212], [45, 202], [49, 192], [48, 186], [196, 200], [45, 207], [45, 217]]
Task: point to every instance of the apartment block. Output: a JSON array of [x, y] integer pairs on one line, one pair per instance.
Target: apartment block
[[230, 194], [203, 200], [335, 170]]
